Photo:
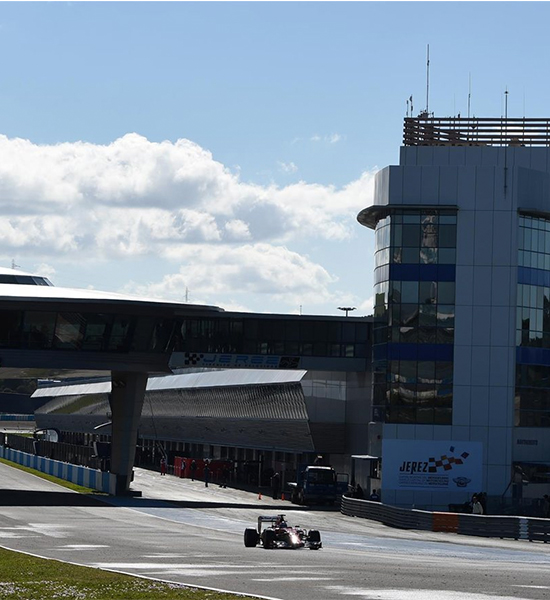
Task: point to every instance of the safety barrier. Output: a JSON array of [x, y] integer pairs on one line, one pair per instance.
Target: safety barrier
[[101, 481], [525, 528]]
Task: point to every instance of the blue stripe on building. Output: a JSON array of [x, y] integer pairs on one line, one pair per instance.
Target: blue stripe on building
[[416, 352], [404, 272]]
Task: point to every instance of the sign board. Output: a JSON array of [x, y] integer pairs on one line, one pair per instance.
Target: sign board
[[234, 361], [435, 466]]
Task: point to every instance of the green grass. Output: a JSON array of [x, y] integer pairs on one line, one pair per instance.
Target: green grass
[[24, 577]]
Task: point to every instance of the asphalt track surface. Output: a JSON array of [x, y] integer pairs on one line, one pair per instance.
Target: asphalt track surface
[[182, 532]]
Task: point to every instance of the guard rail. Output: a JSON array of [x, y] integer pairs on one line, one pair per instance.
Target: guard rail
[[524, 528]]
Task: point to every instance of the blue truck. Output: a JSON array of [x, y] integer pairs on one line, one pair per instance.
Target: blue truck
[[317, 485]]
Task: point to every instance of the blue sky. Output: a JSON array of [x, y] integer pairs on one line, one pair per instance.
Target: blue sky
[[283, 112]]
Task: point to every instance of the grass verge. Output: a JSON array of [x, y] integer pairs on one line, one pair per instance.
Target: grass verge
[[66, 484], [24, 577]]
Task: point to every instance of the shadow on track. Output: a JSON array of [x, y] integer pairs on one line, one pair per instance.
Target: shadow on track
[[9, 497], [36, 498]]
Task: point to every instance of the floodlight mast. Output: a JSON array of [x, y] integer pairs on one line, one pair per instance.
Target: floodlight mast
[[347, 309]]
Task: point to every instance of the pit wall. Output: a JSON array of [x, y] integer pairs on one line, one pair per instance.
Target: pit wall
[[101, 481]]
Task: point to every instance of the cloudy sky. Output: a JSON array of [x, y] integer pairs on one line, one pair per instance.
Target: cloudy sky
[[220, 152]]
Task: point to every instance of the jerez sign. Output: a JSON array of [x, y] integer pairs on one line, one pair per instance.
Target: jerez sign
[[243, 361], [432, 465]]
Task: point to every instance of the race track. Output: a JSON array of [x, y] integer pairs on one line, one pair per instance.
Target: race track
[[181, 531]]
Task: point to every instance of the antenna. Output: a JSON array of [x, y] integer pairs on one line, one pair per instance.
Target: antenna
[[13, 265], [506, 103], [506, 141], [469, 92], [427, 78]]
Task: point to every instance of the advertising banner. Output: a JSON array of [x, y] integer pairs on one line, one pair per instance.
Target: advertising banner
[[234, 361], [432, 465]]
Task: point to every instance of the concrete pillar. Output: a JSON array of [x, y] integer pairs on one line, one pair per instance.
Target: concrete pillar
[[126, 399]]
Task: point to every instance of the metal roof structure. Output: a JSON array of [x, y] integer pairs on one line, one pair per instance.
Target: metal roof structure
[[205, 379]]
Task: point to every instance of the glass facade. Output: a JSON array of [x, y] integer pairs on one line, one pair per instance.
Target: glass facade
[[277, 336], [532, 397], [413, 337], [105, 332], [86, 331]]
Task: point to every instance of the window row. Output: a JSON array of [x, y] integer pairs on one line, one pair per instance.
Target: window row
[[532, 339], [425, 216], [534, 260], [533, 296], [424, 315], [534, 222], [422, 292], [410, 394], [422, 335], [532, 418], [532, 399], [410, 415], [534, 240], [236, 330], [275, 348], [410, 371], [415, 256], [382, 235], [529, 376], [84, 331], [533, 320], [421, 235], [413, 335], [426, 294]]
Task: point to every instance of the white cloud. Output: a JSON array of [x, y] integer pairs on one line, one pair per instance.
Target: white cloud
[[44, 269], [237, 230], [273, 271], [287, 167], [135, 198], [332, 138]]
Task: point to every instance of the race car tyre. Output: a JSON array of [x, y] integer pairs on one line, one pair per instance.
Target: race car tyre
[[251, 538], [314, 539], [269, 539]]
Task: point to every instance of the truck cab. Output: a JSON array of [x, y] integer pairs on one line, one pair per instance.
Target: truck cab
[[314, 485]]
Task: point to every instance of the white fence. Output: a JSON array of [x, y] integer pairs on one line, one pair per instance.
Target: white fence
[[101, 481]]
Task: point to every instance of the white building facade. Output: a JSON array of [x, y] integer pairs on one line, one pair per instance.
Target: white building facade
[[461, 340]]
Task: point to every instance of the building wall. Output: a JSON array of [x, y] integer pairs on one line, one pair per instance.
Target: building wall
[[323, 412], [488, 186]]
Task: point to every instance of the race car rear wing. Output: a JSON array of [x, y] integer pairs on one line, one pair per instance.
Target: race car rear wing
[[269, 519]]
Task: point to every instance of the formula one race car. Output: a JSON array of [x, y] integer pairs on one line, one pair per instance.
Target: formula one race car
[[280, 535]]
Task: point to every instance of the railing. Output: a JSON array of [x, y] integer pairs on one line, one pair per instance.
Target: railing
[[524, 528], [459, 131], [90, 478], [70, 453]]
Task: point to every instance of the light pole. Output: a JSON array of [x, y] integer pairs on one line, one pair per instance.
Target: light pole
[[346, 309]]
